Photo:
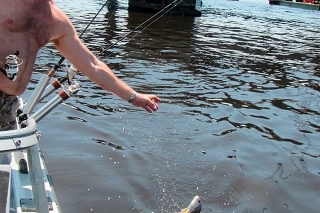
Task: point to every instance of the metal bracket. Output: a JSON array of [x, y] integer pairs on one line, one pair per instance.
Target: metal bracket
[[27, 204]]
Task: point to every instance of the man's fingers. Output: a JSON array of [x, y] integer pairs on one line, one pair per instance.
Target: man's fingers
[[148, 109]]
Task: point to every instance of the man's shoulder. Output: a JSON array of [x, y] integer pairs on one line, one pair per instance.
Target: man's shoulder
[[61, 25]]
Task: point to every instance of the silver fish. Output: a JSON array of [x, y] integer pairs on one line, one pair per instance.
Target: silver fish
[[194, 207]]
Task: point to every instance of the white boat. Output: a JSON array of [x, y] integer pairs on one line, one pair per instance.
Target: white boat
[[25, 185]]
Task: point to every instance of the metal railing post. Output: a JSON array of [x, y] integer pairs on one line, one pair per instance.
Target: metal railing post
[[37, 180]]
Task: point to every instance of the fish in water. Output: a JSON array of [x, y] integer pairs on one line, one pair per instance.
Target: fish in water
[[194, 207]]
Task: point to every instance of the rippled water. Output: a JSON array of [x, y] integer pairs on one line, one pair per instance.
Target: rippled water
[[238, 124]]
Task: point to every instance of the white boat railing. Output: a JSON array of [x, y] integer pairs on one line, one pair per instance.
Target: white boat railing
[[26, 139], [20, 138]]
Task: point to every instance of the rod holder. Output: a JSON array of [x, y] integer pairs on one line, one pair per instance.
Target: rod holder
[[55, 84], [50, 105], [55, 101], [35, 96]]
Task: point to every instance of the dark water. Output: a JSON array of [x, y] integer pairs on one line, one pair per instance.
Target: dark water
[[238, 124]]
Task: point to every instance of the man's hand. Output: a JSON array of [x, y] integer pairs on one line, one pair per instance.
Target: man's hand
[[148, 102]]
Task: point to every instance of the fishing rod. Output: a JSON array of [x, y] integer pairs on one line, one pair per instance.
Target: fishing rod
[[43, 82]]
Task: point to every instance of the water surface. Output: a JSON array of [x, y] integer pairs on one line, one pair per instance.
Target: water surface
[[238, 124]]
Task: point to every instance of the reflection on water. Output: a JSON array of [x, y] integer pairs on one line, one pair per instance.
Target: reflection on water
[[239, 120]]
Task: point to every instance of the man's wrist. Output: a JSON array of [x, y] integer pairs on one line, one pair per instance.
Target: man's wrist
[[132, 96]]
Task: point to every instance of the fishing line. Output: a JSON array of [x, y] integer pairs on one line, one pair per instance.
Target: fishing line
[[168, 8]]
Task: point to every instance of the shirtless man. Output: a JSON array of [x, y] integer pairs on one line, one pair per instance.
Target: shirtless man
[[28, 25]]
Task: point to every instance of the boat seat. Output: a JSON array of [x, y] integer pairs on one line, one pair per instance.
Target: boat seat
[[5, 177]]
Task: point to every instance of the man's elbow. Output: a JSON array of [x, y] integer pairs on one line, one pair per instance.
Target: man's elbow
[[18, 91]]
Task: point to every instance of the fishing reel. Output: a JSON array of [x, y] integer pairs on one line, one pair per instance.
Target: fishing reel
[[12, 65], [72, 86], [71, 72]]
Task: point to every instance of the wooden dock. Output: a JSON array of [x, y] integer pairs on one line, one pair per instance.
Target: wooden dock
[[185, 7], [307, 4]]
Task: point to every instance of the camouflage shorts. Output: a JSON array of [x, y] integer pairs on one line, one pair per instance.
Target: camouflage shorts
[[8, 108]]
